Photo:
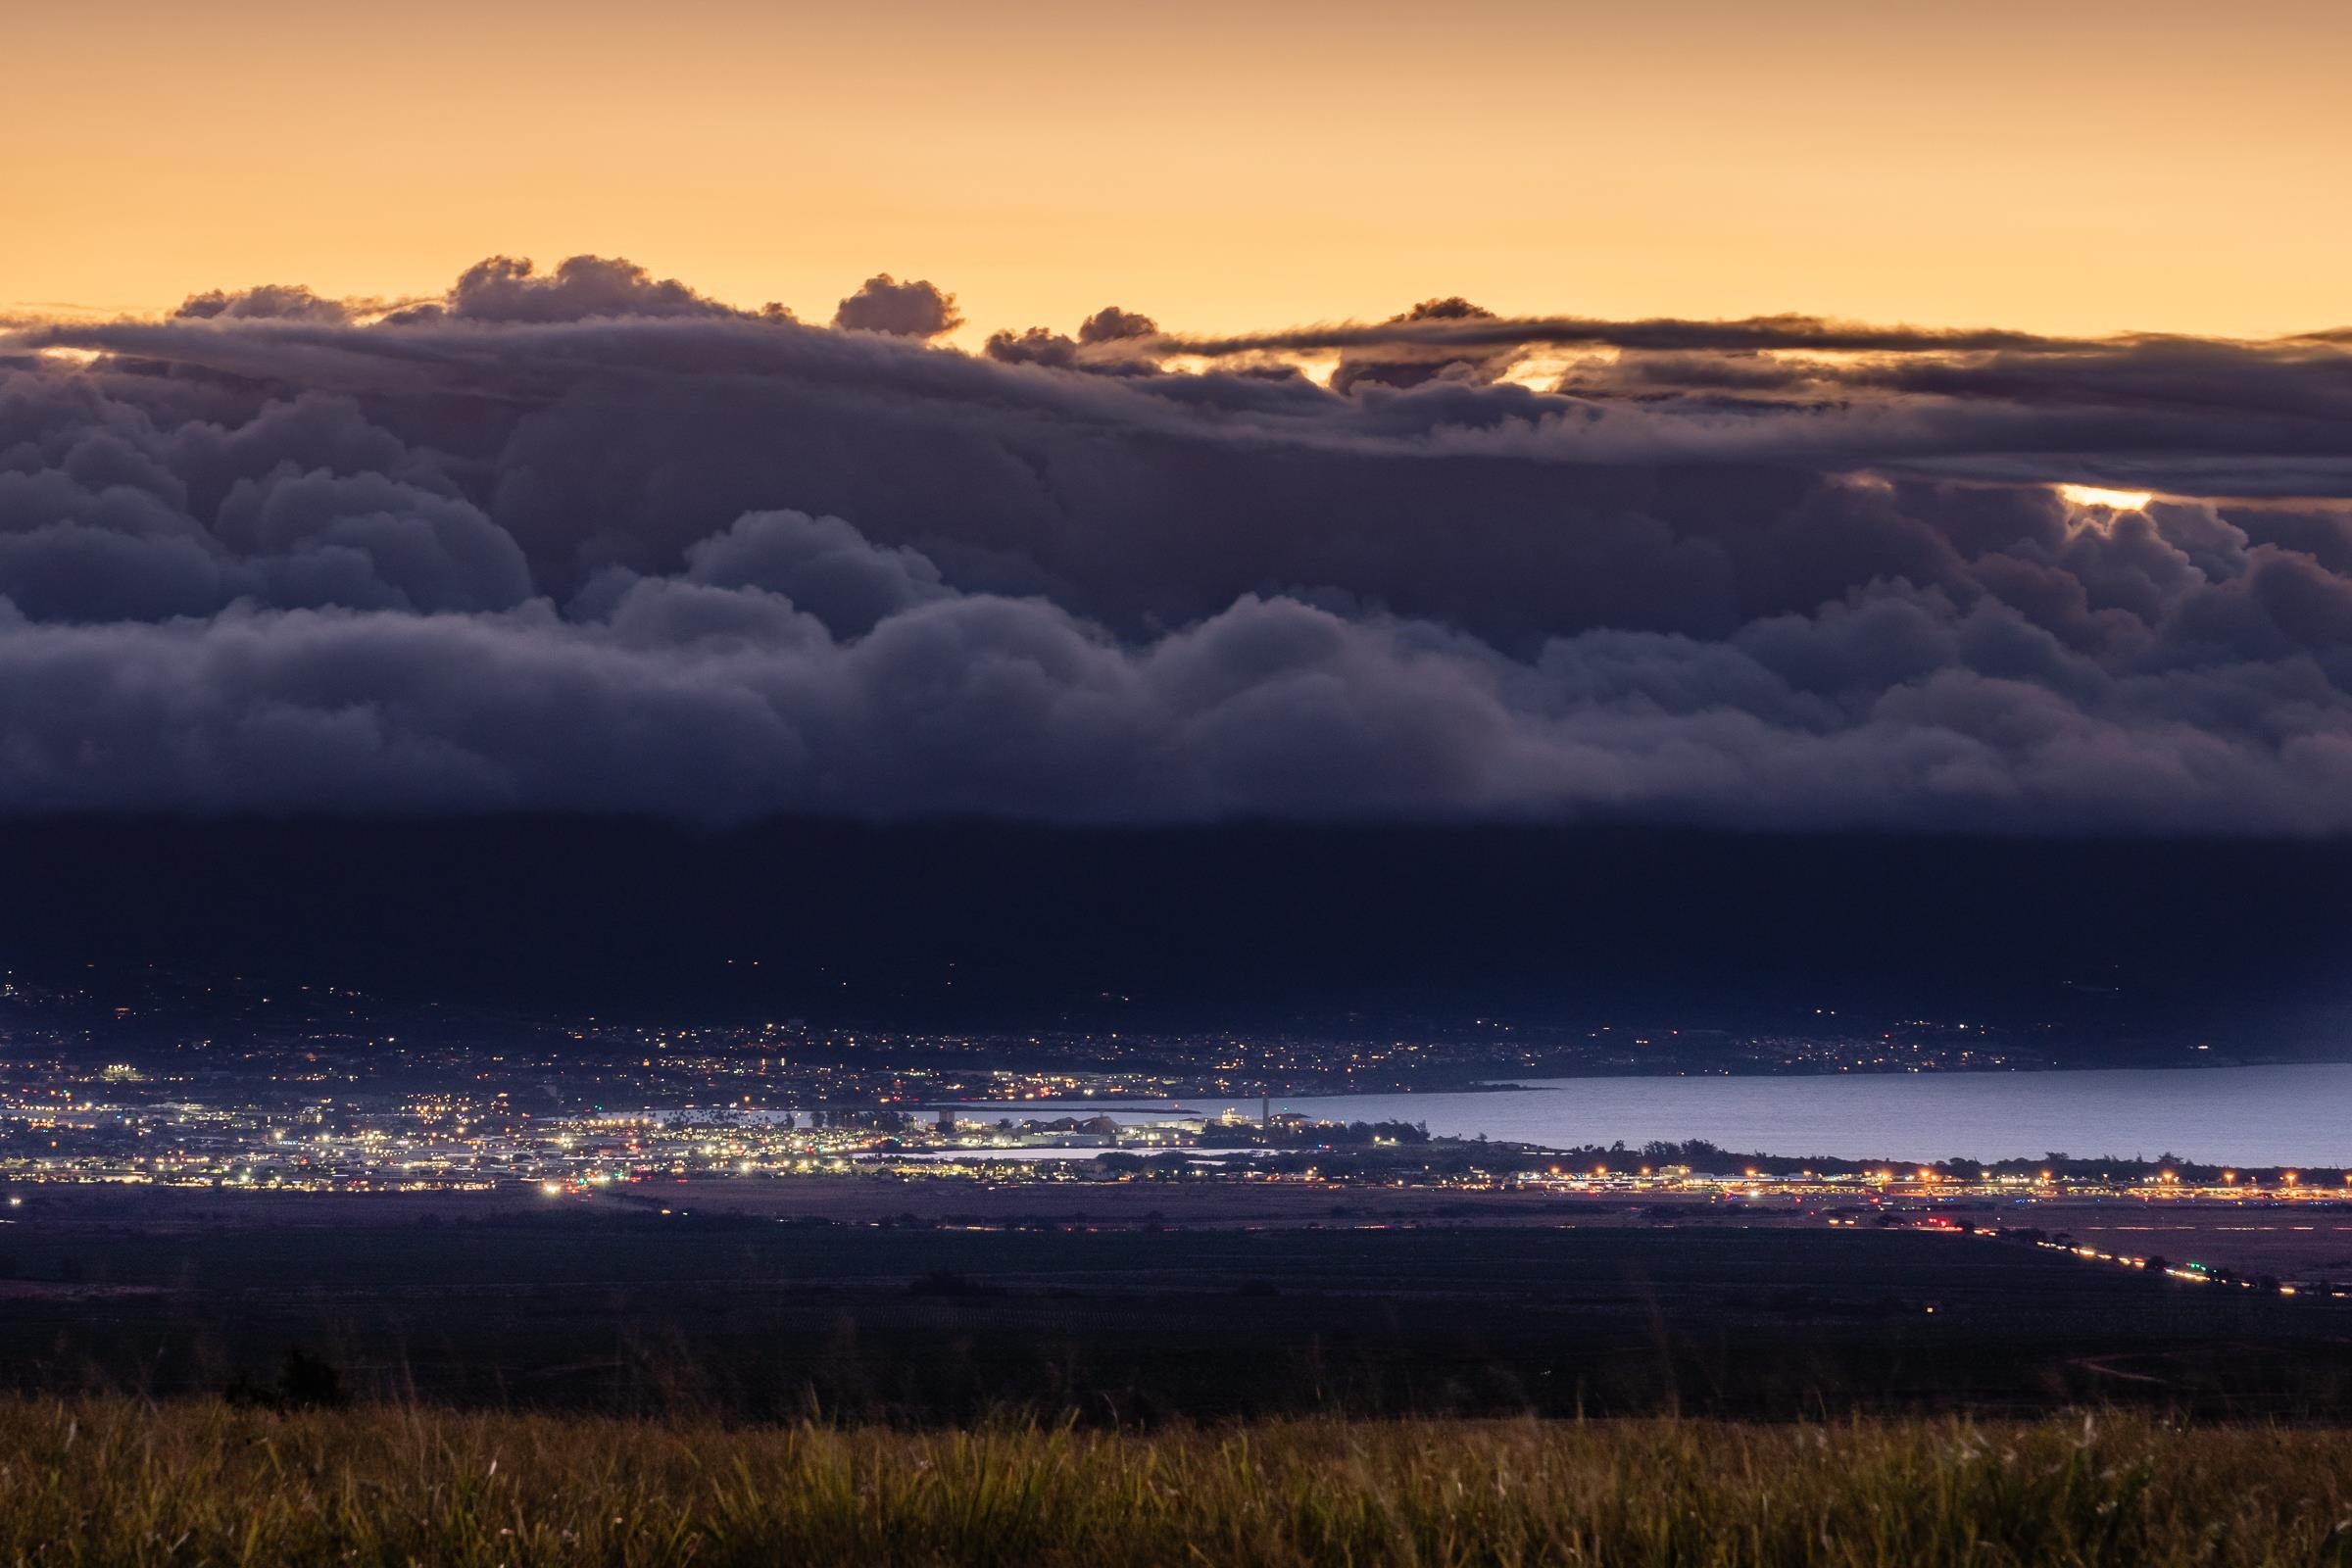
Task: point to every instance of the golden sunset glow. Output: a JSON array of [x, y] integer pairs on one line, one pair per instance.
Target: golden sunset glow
[[1220, 165]]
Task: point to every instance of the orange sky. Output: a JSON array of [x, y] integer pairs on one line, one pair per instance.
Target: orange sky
[[1220, 165]]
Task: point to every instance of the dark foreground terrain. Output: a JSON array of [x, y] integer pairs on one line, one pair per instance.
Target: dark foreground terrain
[[117, 1482], [631, 1310]]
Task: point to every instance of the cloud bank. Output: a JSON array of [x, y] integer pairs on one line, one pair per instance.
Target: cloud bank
[[590, 540]]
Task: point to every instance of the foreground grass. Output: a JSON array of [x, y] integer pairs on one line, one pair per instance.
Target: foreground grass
[[117, 1482]]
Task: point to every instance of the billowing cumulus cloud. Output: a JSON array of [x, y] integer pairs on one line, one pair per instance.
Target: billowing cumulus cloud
[[506, 288], [1408, 362], [273, 302], [917, 308], [1039, 345], [1110, 325], [588, 540]]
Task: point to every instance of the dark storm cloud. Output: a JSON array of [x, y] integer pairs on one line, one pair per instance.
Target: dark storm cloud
[[588, 540]]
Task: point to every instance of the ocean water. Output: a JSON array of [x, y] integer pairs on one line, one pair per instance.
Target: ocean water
[[2276, 1115]]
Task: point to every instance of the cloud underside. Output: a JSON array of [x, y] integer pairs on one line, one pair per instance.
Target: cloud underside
[[587, 540]]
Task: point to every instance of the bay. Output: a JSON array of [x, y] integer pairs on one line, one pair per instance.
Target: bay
[[2298, 1115]]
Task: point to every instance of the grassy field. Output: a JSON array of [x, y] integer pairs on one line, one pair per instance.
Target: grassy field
[[105, 1482]]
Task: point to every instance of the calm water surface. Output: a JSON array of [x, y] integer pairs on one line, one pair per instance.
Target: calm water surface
[[2290, 1115]]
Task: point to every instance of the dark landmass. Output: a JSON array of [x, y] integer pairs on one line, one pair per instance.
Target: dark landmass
[[717, 1308]]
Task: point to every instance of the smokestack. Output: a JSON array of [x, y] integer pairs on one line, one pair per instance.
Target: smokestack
[[1265, 1111]]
